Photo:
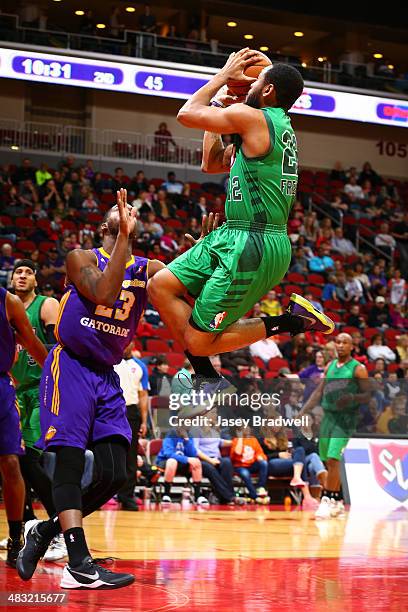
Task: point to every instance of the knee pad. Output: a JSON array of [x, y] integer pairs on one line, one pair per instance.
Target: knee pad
[[66, 485]]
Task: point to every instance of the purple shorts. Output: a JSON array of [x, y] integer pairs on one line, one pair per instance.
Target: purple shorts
[[11, 442], [79, 403]]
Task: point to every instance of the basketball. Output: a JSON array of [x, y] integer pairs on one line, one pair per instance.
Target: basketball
[[241, 88]]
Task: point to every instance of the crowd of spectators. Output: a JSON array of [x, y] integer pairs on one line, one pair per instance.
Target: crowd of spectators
[[45, 212]]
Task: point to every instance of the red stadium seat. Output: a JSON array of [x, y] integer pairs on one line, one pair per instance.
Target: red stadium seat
[[177, 347], [315, 291], [176, 360], [349, 329], [335, 316], [276, 363], [292, 289], [163, 333], [153, 448], [28, 246], [334, 305], [46, 245], [157, 346], [175, 223], [24, 223], [315, 279], [369, 332], [296, 277], [6, 220]]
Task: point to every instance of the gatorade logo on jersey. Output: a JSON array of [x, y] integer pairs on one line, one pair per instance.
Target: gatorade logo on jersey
[[390, 465], [50, 433], [218, 319]]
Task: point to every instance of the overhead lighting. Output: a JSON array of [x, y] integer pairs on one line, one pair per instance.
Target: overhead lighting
[[248, 36], [304, 65], [130, 9], [298, 34], [264, 48], [378, 55], [232, 24], [320, 59], [57, 0], [390, 66], [100, 26], [14, 148], [80, 13]]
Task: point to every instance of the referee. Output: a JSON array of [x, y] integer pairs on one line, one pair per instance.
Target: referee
[[134, 380]]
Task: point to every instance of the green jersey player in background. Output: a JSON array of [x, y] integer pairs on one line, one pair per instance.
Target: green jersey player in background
[[237, 264], [42, 312]]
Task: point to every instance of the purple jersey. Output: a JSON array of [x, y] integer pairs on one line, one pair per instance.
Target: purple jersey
[[99, 333], [7, 340]]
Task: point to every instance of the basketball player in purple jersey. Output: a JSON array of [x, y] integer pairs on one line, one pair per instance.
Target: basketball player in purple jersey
[[13, 318], [82, 404]]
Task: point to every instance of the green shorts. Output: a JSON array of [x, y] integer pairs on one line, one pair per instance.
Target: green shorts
[[29, 406], [335, 432], [231, 269]]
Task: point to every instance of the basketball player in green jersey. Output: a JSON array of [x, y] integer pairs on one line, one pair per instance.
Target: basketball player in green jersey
[[42, 313], [341, 392], [235, 265]]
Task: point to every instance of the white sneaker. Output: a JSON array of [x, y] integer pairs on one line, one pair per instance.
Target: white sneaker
[[3, 544], [261, 492], [57, 549], [202, 501], [325, 508], [166, 500], [338, 510]]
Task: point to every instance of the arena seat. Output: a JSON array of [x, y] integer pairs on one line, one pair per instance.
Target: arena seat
[[276, 363], [296, 278], [157, 346], [176, 359], [315, 279]]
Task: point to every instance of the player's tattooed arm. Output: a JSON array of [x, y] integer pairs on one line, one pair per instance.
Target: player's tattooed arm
[[97, 286]]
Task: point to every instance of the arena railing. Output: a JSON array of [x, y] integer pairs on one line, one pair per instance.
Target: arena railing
[[32, 136], [211, 54]]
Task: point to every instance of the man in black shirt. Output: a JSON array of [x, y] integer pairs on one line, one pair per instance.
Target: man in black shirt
[[400, 234]]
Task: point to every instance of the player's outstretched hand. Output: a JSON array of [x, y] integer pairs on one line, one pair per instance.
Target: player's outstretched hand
[[126, 215], [208, 224], [236, 64]]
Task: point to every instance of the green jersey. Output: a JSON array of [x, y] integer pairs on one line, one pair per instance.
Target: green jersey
[[339, 381], [263, 189], [26, 370]]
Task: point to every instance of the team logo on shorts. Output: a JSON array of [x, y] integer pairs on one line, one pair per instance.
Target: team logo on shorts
[[218, 319], [50, 433], [390, 465]]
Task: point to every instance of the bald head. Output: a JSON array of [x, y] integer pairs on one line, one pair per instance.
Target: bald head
[[344, 346]]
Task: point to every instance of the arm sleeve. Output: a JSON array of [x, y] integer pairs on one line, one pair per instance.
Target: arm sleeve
[[145, 376]]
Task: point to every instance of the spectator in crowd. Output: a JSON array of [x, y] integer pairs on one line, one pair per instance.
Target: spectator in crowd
[[182, 380], [48, 290], [338, 207], [353, 190], [271, 306], [194, 228], [42, 175], [400, 234], [330, 288], [15, 206], [321, 262], [338, 173], [53, 270], [389, 190], [119, 180], [265, 349], [5, 234], [310, 227], [163, 206], [368, 174], [354, 318], [354, 289], [398, 289], [138, 183], [402, 347], [379, 315], [248, 458], [299, 262], [399, 319], [309, 295], [90, 204], [342, 245], [87, 25], [359, 350], [384, 240], [68, 198], [148, 224], [200, 208], [28, 193], [377, 278], [172, 185], [25, 172], [379, 350], [147, 21], [160, 379], [51, 196], [116, 26], [7, 261], [162, 140], [178, 455], [311, 375], [398, 424], [216, 468]]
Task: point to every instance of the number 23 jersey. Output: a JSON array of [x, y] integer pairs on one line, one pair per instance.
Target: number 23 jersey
[[99, 333]]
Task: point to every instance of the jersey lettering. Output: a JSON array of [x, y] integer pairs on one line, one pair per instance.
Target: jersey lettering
[[289, 158]]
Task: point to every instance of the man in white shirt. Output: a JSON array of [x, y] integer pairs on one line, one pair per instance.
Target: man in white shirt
[[265, 349], [353, 189], [384, 238], [341, 244], [134, 380]]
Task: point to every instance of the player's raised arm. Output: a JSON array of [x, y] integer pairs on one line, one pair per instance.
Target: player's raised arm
[[97, 286], [196, 112], [18, 319]]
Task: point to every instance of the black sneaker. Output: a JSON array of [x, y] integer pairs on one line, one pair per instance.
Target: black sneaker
[[13, 548], [90, 575], [35, 547], [129, 504]]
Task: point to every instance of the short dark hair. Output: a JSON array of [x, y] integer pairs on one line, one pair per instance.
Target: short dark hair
[[288, 83]]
